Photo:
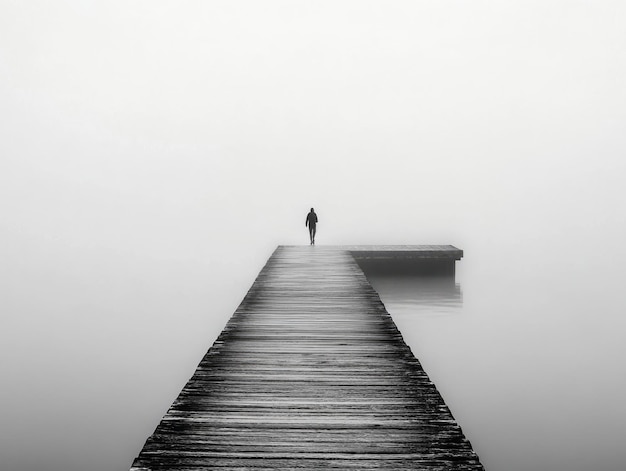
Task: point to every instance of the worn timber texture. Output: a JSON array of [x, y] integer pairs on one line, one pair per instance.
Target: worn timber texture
[[309, 373]]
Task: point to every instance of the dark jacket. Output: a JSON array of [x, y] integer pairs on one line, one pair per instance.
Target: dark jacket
[[311, 219]]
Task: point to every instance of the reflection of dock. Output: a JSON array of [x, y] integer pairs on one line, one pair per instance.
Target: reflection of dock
[[426, 294], [309, 373]]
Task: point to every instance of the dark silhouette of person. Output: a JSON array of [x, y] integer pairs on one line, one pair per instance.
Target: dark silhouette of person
[[311, 221]]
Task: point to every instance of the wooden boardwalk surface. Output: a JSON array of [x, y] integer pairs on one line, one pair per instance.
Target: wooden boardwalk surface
[[309, 373]]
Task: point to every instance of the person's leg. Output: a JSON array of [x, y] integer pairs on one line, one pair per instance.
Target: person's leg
[[313, 230], [311, 234]]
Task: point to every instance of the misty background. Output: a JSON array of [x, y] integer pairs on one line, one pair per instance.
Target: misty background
[[154, 153]]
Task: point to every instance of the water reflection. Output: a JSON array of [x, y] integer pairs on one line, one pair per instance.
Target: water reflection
[[520, 358], [424, 295]]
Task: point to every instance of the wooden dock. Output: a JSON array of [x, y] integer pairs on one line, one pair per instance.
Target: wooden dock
[[309, 373]]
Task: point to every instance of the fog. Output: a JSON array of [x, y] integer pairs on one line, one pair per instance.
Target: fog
[[153, 154]]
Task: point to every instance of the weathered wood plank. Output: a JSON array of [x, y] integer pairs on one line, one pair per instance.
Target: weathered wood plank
[[310, 373]]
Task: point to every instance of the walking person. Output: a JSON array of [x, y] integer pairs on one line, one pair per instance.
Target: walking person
[[311, 221]]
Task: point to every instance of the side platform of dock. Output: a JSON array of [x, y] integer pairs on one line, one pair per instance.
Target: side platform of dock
[[310, 372]]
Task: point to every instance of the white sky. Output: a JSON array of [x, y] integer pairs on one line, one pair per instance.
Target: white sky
[[222, 115]]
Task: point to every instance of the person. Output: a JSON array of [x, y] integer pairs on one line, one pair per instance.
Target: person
[[311, 221]]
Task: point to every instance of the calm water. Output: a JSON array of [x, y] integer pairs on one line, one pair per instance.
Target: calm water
[[531, 363], [526, 347]]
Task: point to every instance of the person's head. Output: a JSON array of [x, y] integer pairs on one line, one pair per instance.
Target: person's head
[[312, 210]]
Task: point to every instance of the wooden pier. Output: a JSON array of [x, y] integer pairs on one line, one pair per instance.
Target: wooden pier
[[311, 373]]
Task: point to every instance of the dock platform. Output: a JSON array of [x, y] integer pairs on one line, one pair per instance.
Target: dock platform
[[309, 373]]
